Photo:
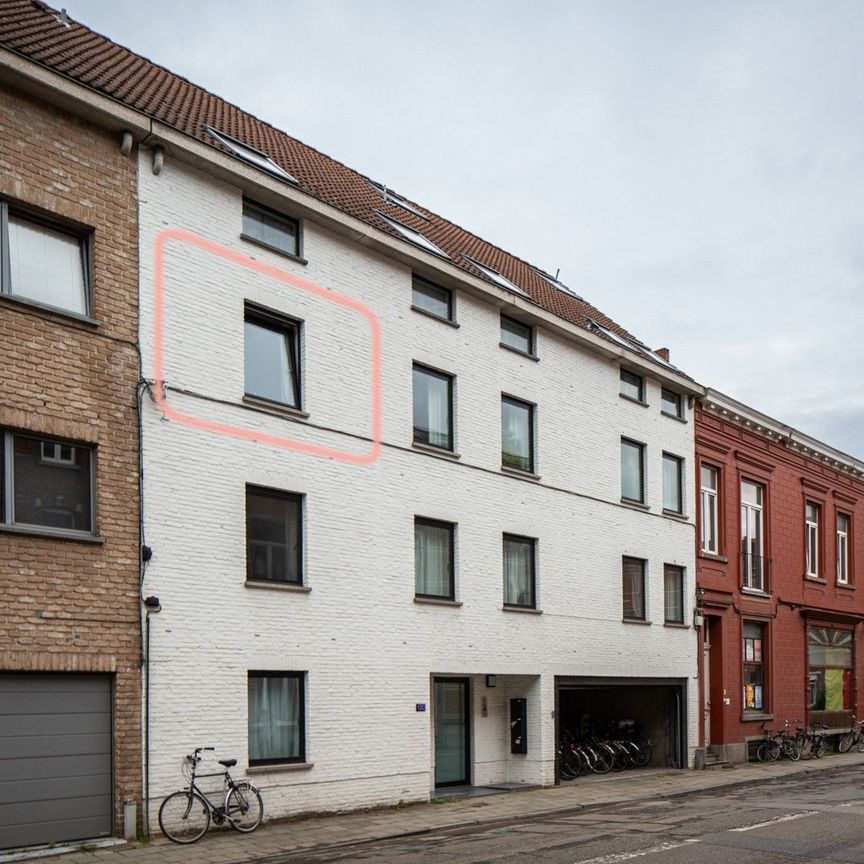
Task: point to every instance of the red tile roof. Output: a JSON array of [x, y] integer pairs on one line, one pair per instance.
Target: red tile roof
[[44, 35]]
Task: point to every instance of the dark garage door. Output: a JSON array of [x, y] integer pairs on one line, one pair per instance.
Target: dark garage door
[[55, 758]]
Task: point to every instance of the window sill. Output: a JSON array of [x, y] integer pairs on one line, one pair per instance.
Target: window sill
[[676, 625], [712, 556], [755, 592], [845, 586], [518, 472], [674, 417], [454, 324], [35, 305], [274, 249], [641, 402], [524, 354], [437, 601], [51, 533], [530, 610], [286, 766], [435, 451], [636, 621], [753, 718], [816, 579], [277, 586], [269, 407], [636, 505], [674, 514]]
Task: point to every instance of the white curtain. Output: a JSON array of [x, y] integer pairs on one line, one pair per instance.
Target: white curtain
[[673, 594], [436, 415], [517, 573], [432, 560], [274, 717]]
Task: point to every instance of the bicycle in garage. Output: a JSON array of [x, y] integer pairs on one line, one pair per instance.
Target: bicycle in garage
[[185, 815]]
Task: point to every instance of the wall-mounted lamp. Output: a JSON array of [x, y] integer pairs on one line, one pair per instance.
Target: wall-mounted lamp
[[491, 680], [158, 160], [698, 618], [152, 604]]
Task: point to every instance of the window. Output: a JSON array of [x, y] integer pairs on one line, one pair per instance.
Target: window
[[754, 667], [43, 262], [494, 276], [250, 155], [45, 483], [412, 236], [673, 470], [277, 717], [673, 594], [752, 542], [433, 559], [829, 655], [390, 197], [709, 512], [516, 335], [433, 408], [519, 566], [517, 434], [842, 549], [272, 357], [671, 403], [633, 587], [432, 299], [632, 471], [274, 531], [811, 538], [632, 386], [271, 229]]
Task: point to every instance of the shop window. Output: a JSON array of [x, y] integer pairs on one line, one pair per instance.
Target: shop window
[[830, 669], [754, 667]]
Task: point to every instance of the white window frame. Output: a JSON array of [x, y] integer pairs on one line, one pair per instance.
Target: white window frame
[[494, 276], [250, 155], [843, 549], [413, 236], [758, 511], [55, 456], [709, 502], [811, 540]]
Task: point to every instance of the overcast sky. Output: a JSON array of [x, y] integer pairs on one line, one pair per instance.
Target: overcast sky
[[694, 168]]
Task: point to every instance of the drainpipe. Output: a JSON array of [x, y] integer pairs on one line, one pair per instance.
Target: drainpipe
[[151, 606]]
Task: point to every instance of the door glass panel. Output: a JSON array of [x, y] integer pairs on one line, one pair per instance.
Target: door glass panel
[[451, 733]]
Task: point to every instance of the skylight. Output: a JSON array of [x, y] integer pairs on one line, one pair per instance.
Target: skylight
[[655, 356], [494, 276], [397, 200], [412, 236], [556, 284], [613, 336], [251, 155]]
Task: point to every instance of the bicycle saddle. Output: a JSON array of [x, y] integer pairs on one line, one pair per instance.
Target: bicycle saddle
[[228, 763]]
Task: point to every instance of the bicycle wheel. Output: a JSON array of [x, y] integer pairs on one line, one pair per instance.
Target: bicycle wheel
[[791, 749], [768, 751], [646, 754], [844, 745], [244, 807], [603, 759], [807, 747], [184, 817], [821, 747], [860, 744], [566, 768]]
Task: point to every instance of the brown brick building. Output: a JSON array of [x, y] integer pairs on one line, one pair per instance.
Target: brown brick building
[[70, 624]]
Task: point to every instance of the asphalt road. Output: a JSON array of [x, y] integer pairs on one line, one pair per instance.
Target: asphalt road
[[815, 819]]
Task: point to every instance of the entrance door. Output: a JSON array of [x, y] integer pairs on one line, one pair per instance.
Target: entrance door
[[452, 739], [706, 684]]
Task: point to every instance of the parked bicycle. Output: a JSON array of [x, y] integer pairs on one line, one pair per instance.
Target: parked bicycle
[[591, 754], [778, 744], [185, 816], [853, 738], [813, 741]]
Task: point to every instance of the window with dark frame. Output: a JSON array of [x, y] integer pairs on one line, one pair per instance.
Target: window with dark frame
[[517, 434], [269, 228], [633, 588], [673, 483], [671, 403], [632, 386], [673, 594], [754, 667], [433, 407], [272, 356], [45, 483], [274, 536], [519, 571], [433, 559], [43, 261], [516, 335], [432, 299], [830, 670], [632, 471], [277, 717]]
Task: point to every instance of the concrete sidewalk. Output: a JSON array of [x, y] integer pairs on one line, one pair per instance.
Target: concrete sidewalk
[[228, 847]]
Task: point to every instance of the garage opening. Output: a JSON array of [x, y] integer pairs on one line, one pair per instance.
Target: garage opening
[[621, 708]]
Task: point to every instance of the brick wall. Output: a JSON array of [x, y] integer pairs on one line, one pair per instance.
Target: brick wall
[[70, 605]]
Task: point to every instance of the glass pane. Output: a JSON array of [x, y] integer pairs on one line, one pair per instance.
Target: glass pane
[[273, 526], [709, 478], [431, 298], [3, 516], [275, 721], [812, 512], [671, 402], [842, 523], [751, 494], [46, 265], [631, 471], [49, 490], [830, 647], [516, 435], [433, 558], [269, 363], [432, 409], [516, 335], [451, 733], [631, 385], [281, 233], [633, 576], [673, 593], [518, 572], [672, 483]]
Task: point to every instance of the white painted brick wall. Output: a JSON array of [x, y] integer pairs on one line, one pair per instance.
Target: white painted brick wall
[[369, 650]]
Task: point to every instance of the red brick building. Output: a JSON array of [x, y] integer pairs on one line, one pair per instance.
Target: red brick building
[[779, 546]]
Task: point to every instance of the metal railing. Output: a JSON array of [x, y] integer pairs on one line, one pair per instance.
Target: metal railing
[[755, 572]]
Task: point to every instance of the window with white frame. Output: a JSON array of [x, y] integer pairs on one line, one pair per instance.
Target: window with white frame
[[811, 538], [43, 261], [752, 536], [46, 484], [709, 490], [842, 549]]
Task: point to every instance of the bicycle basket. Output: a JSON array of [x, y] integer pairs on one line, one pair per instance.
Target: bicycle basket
[[186, 768]]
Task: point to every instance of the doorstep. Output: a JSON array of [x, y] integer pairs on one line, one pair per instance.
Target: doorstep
[[450, 792], [29, 853]]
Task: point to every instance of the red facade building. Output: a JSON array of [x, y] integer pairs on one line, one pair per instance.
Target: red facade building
[[780, 532]]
